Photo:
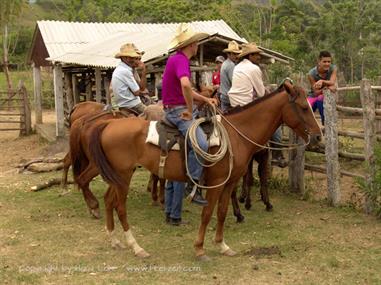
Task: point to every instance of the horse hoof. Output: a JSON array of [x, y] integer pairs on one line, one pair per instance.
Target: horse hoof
[[269, 208], [203, 258], [155, 203], [230, 252], [142, 254], [95, 213], [247, 206], [241, 199], [240, 219]]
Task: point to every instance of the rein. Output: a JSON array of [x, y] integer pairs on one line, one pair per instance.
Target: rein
[[286, 146]]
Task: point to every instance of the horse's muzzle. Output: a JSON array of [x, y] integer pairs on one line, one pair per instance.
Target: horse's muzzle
[[315, 139]]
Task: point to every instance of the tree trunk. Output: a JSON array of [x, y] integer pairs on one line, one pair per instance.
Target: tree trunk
[[6, 63]]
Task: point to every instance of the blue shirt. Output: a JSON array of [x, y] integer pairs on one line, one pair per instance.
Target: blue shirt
[[226, 76], [316, 76], [123, 84]]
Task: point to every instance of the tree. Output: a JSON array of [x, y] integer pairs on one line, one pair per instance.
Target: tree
[[9, 9]]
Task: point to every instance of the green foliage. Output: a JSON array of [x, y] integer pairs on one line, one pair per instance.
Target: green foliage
[[374, 193]]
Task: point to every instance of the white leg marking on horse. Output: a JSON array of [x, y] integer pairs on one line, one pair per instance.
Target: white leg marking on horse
[[115, 243], [223, 247], [131, 242]]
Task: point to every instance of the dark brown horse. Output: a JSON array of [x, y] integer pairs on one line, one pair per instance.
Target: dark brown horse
[[117, 146]]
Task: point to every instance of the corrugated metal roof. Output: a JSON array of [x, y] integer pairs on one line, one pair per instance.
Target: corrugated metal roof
[[71, 37]]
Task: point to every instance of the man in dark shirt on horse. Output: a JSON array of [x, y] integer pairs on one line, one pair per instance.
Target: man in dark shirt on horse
[[178, 95]]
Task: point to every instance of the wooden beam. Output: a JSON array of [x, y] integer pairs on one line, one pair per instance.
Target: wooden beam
[[68, 90], [58, 97], [37, 93], [323, 169], [98, 85], [296, 165], [74, 83]]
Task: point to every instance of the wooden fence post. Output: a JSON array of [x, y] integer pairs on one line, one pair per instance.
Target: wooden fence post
[[98, 85], [296, 165], [26, 121], [368, 104], [378, 105], [58, 97], [68, 91], [107, 90], [37, 93], [331, 148], [74, 82]]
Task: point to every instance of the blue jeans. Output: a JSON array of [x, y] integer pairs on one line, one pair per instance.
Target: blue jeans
[[277, 136], [174, 192], [173, 115], [225, 103]]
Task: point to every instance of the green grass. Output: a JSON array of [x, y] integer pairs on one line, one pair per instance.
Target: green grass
[[50, 239]]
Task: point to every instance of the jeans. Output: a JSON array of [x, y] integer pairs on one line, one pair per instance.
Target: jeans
[[317, 103], [173, 115], [174, 192], [225, 103], [277, 136]]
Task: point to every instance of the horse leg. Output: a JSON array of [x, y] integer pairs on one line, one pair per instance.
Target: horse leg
[[150, 184], [236, 209], [206, 215], [222, 209], [263, 173], [110, 200], [153, 180], [121, 194], [66, 166], [161, 192], [83, 182], [248, 181]]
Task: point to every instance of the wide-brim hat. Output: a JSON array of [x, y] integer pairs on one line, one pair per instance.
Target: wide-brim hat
[[248, 49], [129, 50], [184, 36], [233, 47]]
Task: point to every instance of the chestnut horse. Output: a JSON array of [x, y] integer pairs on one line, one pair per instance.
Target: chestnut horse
[[117, 146]]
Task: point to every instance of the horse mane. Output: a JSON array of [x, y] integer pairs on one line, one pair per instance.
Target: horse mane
[[239, 109]]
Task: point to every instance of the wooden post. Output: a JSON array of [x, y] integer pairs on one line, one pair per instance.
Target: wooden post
[[368, 104], [37, 93], [98, 85], [331, 148], [296, 165], [26, 120], [89, 88], [74, 82], [107, 90], [68, 90], [201, 55], [58, 97]]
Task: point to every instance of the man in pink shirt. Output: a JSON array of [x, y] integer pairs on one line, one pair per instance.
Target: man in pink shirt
[[178, 96]]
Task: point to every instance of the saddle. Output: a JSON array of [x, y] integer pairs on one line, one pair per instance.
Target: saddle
[[167, 136]]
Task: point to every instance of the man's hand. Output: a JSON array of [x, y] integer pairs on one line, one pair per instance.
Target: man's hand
[[186, 116], [141, 65], [318, 84], [211, 101]]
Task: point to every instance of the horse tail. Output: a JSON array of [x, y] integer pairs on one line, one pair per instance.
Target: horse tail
[[79, 160], [99, 157]]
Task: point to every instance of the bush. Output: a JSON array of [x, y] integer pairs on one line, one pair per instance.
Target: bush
[[373, 194]]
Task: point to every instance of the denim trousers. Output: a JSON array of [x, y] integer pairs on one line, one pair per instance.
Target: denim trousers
[[174, 192], [277, 136], [225, 103], [173, 115]]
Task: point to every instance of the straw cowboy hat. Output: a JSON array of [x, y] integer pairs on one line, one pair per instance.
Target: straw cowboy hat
[[232, 47], [184, 36], [129, 50], [248, 49]]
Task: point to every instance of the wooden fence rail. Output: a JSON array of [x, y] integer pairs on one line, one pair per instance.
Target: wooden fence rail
[[16, 110]]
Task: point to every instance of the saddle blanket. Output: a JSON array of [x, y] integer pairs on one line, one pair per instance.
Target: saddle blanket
[[153, 137]]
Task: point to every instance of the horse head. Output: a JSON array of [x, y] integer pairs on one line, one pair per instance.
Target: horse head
[[299, 116]]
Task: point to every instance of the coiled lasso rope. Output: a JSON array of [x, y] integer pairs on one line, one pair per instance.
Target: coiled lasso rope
[[211, 159]]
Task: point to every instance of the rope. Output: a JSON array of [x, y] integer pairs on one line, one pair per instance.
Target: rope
[[289, 147], [211, 159]]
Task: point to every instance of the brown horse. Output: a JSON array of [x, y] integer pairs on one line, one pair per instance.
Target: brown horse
[[118, 146]]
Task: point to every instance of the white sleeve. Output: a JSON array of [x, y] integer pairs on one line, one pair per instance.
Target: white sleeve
[[257, 81]]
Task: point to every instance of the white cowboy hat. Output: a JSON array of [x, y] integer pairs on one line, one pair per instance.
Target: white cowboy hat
[[184, 36], [248, 49], [232, 47], [129, 50]]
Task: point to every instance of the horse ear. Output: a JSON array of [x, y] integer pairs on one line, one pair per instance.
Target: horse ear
[[289, 88]]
